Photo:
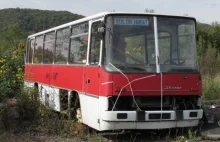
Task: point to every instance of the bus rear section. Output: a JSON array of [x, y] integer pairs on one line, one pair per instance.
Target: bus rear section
[[123, 70]]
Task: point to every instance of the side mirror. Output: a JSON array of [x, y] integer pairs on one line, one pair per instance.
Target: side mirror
[[101, 29]]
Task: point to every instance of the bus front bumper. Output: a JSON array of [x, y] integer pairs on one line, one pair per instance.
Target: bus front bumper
[[126, 116], [113, 120]]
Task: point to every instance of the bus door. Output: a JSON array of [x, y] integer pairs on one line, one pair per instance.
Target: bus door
[[92, 73]]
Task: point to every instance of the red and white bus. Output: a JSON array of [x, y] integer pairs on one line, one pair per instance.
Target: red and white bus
[[119, 70]]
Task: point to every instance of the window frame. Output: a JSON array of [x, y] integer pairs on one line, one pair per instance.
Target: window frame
[[28, 51], [90, 44], [72, 36], [49, 41], [35, 39], [69, 44]]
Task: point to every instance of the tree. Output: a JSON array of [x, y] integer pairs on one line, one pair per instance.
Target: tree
[[32, 20], [11, 61], [10, 38]]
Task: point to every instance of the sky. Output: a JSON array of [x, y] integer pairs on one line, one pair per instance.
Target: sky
[[205, 11]]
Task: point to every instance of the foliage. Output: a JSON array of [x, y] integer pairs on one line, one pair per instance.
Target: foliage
[[33, 20], [10, 39], [211, 91], [208, 48], [11, 62], [209, 66], [31, 116], [191, 136]]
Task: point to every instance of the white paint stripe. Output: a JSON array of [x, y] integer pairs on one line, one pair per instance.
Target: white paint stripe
[[107, 82]]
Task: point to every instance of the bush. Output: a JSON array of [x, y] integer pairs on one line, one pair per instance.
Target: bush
[[11, 74], [29, 115], [211, 91], [191, 135]]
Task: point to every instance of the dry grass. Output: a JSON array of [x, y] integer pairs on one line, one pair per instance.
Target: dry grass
[[217, 79], [34, 137], [41, 137]]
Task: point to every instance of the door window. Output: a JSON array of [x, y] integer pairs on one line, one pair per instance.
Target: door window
[[94, 53]]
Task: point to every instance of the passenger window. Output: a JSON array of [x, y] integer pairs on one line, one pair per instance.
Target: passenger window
[[48, 48], [62, 46], [38, 49], [79, 42], [94, 53], [30, 51]]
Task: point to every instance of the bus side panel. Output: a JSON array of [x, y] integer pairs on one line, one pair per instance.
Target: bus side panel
[[69, 77], [38, 73], [89, 108], [28, 73], [90, 98]]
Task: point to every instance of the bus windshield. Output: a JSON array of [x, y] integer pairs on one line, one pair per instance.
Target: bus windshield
[[138, 44]]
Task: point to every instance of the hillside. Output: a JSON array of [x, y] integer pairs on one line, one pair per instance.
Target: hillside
[[34, 20]]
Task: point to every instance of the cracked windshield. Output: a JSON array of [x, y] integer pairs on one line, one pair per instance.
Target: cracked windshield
[[130, 44]]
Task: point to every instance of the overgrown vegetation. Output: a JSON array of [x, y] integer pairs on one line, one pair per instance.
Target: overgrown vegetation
[[190, 135], [30, 116]]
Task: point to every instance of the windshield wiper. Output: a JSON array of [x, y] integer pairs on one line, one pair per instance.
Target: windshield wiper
[[128, 68], [124, 68], [182, 70], [136, 68]]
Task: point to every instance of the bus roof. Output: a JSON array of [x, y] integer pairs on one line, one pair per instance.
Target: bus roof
[[99, 15]]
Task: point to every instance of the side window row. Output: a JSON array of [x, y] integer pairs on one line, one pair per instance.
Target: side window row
[[67, 45]]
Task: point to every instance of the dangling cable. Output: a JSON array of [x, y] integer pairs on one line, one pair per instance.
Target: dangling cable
[[124, 86], [129, 83]]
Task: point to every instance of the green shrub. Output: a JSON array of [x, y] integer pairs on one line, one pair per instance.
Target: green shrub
[[11, 74], [29, 115], [189, 136], [211, 91]]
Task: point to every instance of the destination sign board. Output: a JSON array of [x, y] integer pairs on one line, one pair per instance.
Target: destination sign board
[[131, 21]]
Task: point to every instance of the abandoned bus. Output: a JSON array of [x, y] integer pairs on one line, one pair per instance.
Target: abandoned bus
[[119, 70]]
